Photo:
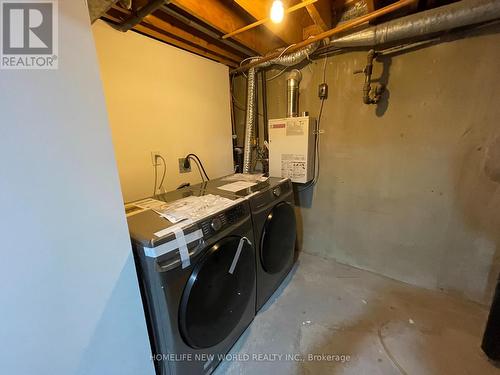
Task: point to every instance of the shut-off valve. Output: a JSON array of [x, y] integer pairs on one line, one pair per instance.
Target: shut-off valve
[[370, 96]]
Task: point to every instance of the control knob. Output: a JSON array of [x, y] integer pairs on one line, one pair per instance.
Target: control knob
[[216, 224]]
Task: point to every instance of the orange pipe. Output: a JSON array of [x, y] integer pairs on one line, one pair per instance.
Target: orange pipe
[[336, 30]]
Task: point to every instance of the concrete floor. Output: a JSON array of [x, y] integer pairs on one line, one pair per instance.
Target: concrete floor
[[384, 326]]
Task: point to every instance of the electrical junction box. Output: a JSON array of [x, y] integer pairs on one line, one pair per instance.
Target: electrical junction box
[[291, 148]]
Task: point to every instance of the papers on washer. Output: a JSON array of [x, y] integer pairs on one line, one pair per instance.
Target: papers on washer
[[194, 208], [150, 204], [258, 177], [237, 186]]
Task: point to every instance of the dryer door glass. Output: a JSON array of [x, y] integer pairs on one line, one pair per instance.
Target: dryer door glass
[[278, 238], [214, 300]]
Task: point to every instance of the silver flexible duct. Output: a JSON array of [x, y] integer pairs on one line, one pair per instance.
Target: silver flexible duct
[[293, 58], [447, 17], [285, 60], [250, 121], [459, 14]]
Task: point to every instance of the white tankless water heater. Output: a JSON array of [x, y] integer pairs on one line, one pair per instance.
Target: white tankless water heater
[[291, 148]]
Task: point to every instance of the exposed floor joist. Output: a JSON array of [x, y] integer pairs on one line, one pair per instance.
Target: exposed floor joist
[[321, 14], [202, 26], [156, 32], [289, 31], [172, 29], [224, 18]]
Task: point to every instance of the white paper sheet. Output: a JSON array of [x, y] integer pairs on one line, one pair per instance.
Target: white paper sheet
[[195, 208], [257, 177], [237, 186], [150, 203]]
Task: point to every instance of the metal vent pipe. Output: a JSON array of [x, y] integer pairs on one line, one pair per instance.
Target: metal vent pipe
[[292, 99], [459, 14], [286, 60], [443, 18]]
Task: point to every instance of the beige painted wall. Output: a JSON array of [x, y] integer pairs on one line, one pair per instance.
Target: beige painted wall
[[402, 189], [160, 98]]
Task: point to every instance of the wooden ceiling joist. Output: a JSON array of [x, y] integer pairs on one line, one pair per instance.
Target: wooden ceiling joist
[[222, 16], [289, 31], [321, 14], [229, 31], [177, 31], [181, 44], [157, 33]]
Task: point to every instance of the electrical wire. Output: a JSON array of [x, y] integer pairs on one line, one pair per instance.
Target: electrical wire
[[156, 177], [317, 140], [277, 75], [284, 50], [199, 169], [201, 164], [316, 152], [164, 172], [155, 189], [388, 352], [249, 58]]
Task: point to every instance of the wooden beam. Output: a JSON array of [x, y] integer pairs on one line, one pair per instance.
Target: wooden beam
[[175, 42], [310, 30], [370, 4], [148, 30], [321, 14], [289, 31], [222, 16], [327, 34], [187, 36]]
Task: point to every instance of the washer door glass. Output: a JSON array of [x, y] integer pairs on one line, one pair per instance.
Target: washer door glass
[[278, 238], [214, 300]]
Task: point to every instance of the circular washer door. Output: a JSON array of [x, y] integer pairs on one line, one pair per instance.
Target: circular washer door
[[278, 238], [214, 300]]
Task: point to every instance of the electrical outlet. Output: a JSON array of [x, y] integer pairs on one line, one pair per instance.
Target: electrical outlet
[[154, 158], [182, 169]]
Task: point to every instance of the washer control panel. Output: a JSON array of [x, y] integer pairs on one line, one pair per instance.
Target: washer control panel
[[223, 220]]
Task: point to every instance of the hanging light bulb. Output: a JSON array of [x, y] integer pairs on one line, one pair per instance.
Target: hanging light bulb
[[277, 11]]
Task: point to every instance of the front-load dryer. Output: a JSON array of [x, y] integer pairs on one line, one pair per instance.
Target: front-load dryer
[[198, 284], [274, 223]]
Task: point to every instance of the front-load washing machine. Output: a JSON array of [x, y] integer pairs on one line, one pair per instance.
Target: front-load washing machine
[[275, 231], [197, 279]]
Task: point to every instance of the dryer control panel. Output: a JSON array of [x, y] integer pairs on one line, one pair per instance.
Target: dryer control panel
[[223, 220]]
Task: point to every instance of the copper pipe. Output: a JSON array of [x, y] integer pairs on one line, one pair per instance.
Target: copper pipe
[[336, 30]]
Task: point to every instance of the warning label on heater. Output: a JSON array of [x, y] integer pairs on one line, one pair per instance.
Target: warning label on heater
[[293, 166], [294, 128]]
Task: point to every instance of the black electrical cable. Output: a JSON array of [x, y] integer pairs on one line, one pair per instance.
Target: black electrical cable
[[201, 164], [199, 169], [198, 165]]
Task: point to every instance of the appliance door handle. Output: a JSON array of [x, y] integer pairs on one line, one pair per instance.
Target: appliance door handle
[[238, 253]]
